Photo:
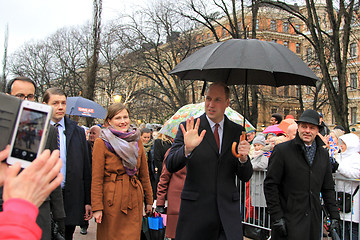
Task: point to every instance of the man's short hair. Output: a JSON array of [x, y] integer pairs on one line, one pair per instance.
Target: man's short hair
[[144, 130], [277, 116], [52, 91], [20, 78], [222, 84]]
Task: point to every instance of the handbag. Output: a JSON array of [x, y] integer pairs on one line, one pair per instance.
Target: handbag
[[255, 232], [344, 200], [156, 227]]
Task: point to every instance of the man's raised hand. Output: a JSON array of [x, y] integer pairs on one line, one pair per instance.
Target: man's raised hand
[[192, 139]]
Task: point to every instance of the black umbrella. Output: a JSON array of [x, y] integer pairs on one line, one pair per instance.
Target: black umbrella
[[246, 61], [249, 61]]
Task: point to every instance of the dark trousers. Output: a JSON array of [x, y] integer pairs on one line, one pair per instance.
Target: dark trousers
[[69, 231]]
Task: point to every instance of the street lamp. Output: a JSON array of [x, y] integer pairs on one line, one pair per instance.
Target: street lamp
[[117, 98]]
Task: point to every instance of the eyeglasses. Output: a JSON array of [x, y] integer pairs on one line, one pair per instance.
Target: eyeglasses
[[28, 97]]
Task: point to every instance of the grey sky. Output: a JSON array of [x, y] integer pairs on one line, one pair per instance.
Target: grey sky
[[36, 19]]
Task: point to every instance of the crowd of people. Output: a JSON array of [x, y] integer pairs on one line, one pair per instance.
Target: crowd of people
[[114, 171]]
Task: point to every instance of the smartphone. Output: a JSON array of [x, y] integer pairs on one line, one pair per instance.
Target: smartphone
[[30, 132]]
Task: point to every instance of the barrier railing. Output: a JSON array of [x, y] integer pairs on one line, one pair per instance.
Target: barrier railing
[[256, 219]]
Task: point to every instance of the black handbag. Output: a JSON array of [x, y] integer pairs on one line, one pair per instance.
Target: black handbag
[[255, 232], [344, 200]]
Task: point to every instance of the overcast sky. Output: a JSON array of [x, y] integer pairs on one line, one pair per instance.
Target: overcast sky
[[36, 19]]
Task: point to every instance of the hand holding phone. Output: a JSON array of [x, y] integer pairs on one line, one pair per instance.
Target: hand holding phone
[[30, 132]]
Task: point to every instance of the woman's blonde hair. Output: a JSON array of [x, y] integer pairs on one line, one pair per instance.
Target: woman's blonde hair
[[114, 109], [164, 138]]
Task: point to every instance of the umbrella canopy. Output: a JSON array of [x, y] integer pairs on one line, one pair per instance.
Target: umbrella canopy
[[246, 61], [171, 126], [80, 106], [273, 129]]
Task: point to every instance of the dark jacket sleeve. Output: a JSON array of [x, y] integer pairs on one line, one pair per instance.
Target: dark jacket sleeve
[[176, 159], [272, 183]]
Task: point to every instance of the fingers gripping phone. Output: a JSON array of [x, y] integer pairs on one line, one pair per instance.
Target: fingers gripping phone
[[30, 132]]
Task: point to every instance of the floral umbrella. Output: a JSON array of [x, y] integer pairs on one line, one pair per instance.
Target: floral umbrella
[[171, 126]]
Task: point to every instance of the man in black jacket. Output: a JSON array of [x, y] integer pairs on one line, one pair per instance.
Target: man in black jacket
[[299, 170], [76, 164], [25, 88]]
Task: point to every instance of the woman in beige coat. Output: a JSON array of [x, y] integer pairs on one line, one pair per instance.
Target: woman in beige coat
[[120, 178]]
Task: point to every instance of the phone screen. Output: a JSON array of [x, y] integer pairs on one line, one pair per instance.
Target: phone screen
[[28, 135]]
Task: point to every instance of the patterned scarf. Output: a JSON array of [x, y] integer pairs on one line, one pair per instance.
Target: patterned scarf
[[124, 145]]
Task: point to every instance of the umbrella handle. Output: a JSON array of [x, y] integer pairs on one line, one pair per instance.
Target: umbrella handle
[[233, 148]]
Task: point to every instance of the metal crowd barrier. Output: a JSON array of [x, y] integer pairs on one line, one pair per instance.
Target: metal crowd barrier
[[256, 220]]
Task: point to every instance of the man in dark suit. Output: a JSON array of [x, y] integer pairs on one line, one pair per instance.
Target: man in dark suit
[[76, 164], [210, 201], [25, 88]]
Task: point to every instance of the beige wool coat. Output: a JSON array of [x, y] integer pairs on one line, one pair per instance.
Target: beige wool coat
[[118, 195]]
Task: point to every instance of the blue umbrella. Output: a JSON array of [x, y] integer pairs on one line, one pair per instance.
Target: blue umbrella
[[80, 106]]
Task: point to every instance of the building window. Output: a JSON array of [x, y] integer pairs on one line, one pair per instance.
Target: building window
[[239, 25], [308, 90], [286, 44], [353, 81], [285, 27], [208, 35], [298, 46], [273, 110], [353, 50], [257, 24], [286, 91], [273, 90], [297, 27], [297, 91], [223, 32], [335, 82], [203, 37], [286, 111], [273, 25], [353, 111], [308, 54]]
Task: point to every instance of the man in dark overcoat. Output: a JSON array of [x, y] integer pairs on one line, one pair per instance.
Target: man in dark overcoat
[[299, 171], [76, 164], [210, 201]]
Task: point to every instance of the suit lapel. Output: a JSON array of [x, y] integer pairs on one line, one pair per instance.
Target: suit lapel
[[209, 136]]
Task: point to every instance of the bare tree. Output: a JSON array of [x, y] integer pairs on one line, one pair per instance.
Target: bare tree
[[3, 81], [157, 39], [331, 45]]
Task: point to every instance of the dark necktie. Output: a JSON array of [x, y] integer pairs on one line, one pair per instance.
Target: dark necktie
[[58, 135], [216, 135]]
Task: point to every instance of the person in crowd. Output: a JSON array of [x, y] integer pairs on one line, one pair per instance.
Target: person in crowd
[[148, 143], [170, 186], [324, 131], [250, 135], [291, 131], [161, 145], [299, 170], [76, 163], [349, 167], [276, 118], [120, 178], [53, 207], [25, 192], [259, 162], [94, 133], [210, 201]]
